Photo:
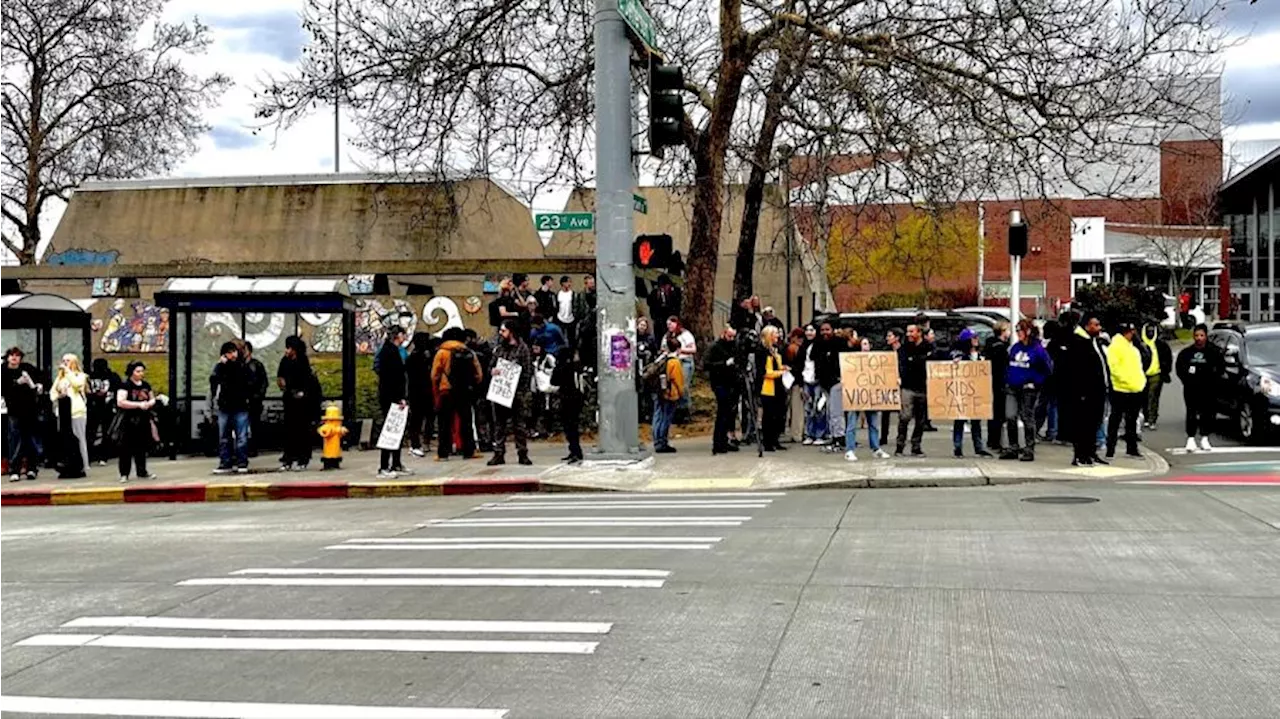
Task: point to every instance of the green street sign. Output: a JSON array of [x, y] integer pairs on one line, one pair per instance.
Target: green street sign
[[564, 221], [640, 22], [640, 204]]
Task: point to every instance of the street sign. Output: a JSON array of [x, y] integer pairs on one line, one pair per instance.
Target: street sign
[[640, 22], [566, 221], [640, 204]]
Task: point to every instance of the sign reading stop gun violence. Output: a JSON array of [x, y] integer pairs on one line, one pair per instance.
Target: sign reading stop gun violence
[[959, 390], [869, 381]]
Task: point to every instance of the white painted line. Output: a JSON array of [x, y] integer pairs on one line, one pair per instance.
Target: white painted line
[[309, 644], [516, 522], [1184, 483], [439, 547], [343, 625], [577, 507], [612, 496], [451, 572], [527, 540], [1251, 449], [499, 520], [231, 710], [419, 582]]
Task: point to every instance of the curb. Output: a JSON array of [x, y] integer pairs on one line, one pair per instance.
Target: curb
[[264, 491]]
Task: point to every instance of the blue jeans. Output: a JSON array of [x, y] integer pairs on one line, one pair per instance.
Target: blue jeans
[[663, 413], [815, 420], [851, 430], [238, 423], [22, 444], [1101, 439], [1047, 413], [957, 434]]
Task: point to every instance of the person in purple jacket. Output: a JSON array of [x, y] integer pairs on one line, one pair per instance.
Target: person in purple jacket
[[1029, 368]]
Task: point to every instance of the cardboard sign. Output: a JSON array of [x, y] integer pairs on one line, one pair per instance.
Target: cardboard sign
[[502, 389], [869, 381], [392, 434], [959, 390]]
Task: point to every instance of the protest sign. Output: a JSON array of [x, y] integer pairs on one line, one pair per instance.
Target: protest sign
[[959, 390], [392, 434], [869, 381], [502, 390]]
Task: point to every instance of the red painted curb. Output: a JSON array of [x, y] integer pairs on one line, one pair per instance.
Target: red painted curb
[[26, 497], [308, 490], [490, 486], [169, 493]]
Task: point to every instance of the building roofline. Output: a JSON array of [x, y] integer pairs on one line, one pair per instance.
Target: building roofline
[[1257, 165], [353, 178]]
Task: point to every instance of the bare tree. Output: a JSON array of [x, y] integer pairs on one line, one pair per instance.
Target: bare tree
[[85, 97], [1020, 95]]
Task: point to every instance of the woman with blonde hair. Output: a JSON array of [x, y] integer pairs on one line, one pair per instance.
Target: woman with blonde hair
[[773, 397], [69, 396]]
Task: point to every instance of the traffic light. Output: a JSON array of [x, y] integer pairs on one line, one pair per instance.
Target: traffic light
[[1018, 238], [666, 109], [651, 252]]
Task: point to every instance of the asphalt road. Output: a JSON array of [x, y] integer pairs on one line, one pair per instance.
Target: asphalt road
[[1152, 602]]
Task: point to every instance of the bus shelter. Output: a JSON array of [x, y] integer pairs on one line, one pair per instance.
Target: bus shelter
[[206, 312], [46, 327]]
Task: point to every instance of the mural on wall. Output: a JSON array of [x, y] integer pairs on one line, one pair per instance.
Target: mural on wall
[[373, 319], [142, 328], [80, 257], [326, 333], [260, 330]]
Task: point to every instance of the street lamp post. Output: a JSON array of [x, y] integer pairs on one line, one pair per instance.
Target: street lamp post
[[1017, 250]]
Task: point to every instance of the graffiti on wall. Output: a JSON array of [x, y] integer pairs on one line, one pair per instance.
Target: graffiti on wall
[[140, 327], [80, 257]]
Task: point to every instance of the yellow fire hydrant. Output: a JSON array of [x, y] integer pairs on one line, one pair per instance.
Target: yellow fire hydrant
[[332, 431]]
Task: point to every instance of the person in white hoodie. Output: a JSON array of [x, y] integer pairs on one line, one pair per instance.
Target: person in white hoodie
[[69, 395]]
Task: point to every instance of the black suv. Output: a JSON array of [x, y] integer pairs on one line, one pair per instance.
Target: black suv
[[946, 325], [1249, 388]]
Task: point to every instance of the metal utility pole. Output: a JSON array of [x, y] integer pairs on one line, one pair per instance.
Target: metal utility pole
[[616, 303], [1018, 232], [337, 90]]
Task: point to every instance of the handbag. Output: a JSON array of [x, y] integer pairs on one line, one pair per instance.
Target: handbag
[[115, 430]]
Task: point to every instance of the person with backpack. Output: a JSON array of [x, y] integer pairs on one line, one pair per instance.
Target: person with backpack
[[392, 391], [670, 389], [455, 377], [481, 407], [421, 406], [512, 348], [300, 391]]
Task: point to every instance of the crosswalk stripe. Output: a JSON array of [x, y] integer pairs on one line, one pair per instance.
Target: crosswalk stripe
[[420, 582], [499, 520], [230, 710], [575, 506], [613, 496], [451, 572], [513, 545], [304, 644], [527, 540], [342, 625], [564, 523]]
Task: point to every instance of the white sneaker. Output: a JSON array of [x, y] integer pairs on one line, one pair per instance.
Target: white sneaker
[[386, 474], [287, 467], [417, 452], [822, 442], [880, 454], [807, 441], [849, 456], [124, 478], [1191, 444], [1204, 444], [15, 478]]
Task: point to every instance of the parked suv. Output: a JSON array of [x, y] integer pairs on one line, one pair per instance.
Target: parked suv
[[946, 324], [1250, 382]]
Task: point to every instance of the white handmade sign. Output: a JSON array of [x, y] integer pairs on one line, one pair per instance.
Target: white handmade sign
[[506, 377], [392, 434]]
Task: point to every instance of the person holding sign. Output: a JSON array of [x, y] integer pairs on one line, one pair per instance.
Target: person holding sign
[[512, 356], [455, 377], [851, 417], [392, 392], [966, 350]]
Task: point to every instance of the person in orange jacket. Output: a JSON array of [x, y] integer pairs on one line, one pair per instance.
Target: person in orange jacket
[[332, 432], [670, 392]]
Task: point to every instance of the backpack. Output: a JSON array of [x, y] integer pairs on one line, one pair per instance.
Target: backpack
[[462, 374], [655, 375]]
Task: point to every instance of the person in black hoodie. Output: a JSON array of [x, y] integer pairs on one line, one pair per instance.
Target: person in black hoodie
[[23, 386], [911, 370], [1084, 390], [997, 353], [568, 381], [546, 297], [229, 392], [300, 392], [392, 391], [103, 384], [725, 383], [421, 403], [1199, 367]]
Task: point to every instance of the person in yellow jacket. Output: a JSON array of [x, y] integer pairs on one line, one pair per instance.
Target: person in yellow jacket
[[332, 432], [1159, 369], [671, 389], [773, 396], [1128, 380]]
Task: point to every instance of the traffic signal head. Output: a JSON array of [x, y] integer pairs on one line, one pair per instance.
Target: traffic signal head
[[651, 251], [1018, 239], [666, 109]]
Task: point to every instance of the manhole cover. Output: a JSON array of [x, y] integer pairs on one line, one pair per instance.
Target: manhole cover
[[1064, 499]]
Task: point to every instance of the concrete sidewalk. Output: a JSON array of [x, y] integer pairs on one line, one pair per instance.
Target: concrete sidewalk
[[692, 468]]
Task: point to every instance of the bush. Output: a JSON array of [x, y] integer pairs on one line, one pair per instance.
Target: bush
[[1115, 303], [933, 299]]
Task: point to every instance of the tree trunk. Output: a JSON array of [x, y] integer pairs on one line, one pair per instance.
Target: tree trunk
[[708, 201], [753, 201]]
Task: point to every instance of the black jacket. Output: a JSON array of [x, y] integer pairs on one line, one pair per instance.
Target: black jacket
[[1059, 349], [1198, 369], [21, 400], [827, 356], [546, 303], [522, 356], [256, 377], [229, 386], [391, 378], [1087, 375], [997, 352], [418, 375], [720, 372], [911, 364], [663, 306]]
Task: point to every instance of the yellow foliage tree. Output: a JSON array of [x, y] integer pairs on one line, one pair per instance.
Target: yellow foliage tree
[[922, 245]]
